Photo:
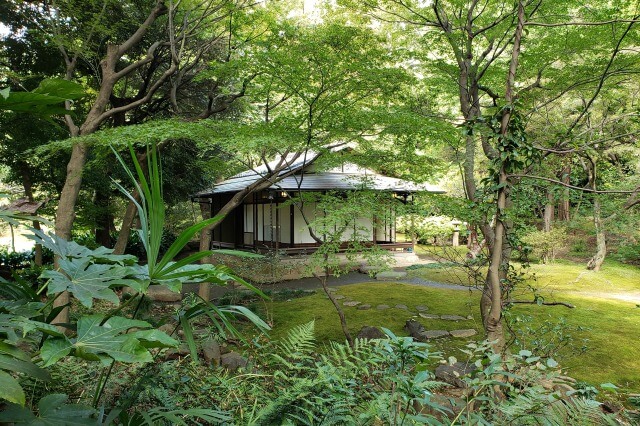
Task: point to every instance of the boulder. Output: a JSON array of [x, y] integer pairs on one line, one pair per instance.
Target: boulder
[[463, 333], [232, 361], [369, 332], [211, 352], [160, 293], [452, 373]]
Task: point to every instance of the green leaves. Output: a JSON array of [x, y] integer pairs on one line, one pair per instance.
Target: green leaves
[[10, 389], [113, 339], [53, 411], [45, 100], [86, 280]]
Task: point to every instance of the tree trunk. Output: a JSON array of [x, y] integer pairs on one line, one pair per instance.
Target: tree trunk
[[595, 263], [204, 289], [563, 204], [548, 212], [127, 222], [104, 220]]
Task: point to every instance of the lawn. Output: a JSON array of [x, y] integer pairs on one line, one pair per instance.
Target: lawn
[[602, 332]]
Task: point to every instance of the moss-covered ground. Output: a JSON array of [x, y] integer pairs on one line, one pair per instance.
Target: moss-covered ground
[[600, 337]]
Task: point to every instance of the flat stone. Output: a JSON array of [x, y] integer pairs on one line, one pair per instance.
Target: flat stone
[[421, 308], [211, 352], [369, 270], [232, 361], [452, 317], [351, 303], [369, 332], [382, 307], [160, 293], [364, 307], [402, 307], [332, 289], [428, 316], [338, 297], [463, 333], [390, 275], [452, 373], [434, 334]]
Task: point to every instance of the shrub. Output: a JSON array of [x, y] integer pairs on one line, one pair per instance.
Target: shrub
[[428, 229], [629, 253], [545, 245]]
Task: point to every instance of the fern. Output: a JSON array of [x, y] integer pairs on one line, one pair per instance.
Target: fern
[[297, 347]]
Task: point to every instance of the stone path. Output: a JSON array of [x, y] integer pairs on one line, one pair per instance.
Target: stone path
[[419, 332]]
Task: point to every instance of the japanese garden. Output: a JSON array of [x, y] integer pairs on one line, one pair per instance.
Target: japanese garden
[[306, 212]]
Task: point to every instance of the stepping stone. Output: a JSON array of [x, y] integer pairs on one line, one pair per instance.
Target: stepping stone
[[390, 275], [338, 297], [463, 333], [366, 269], [402, 307], [382, 307], [421, 308], [452, 317], [364, 307], [428, 316], [434, 334], [332, 289], [351, 303]]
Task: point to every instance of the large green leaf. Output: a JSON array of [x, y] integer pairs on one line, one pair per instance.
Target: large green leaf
[[60, 88], [10, 390], [52, 411], [87, 280], [111, 340], [21, 366], [71, 249]]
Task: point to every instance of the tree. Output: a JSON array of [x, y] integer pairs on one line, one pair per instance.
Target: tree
[[464, 48]]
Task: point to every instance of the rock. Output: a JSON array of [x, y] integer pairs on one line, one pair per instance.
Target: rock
[[369, 332], [232, 361], [452, 317], [404, 307], [364, 307], [167, 328], [338, 297], [434, 334], [428, 316], [160, 293], [369, 270], [332, 289], [463, 333], [175, 353], [390, 275], [418, 332], [421, 308], [382, 307], [211, 352], [452, 373], [351, 303]]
